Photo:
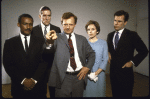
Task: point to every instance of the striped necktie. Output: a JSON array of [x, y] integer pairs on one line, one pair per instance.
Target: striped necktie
[[45, 32], [72, 60], [26, 45], [116, 40]]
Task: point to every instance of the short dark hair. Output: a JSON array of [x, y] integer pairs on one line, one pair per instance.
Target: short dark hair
[[67, 15], [24, 15], [96, 25], [122, 12], [44, 8]]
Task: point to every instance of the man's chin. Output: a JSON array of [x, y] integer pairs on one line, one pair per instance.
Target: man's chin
[[46, 24], [68, 32]]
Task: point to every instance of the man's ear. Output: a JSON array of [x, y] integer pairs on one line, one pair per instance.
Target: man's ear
[[126, 22], [18, 24], [39, 16]]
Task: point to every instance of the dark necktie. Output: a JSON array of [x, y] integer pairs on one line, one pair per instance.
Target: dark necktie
[[45, 32], [26, 45], [116, 39], [72, 60]]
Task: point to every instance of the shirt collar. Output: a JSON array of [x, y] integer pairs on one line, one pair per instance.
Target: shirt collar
[[120, 31], [72, 34], [22, 36]]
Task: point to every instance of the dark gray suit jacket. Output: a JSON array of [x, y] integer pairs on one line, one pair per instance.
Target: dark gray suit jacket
[[62, 56]]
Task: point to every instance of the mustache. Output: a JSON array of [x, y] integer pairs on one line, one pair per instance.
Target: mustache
[[28, 30]]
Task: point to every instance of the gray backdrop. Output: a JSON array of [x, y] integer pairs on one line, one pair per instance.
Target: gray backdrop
[[98, 10]]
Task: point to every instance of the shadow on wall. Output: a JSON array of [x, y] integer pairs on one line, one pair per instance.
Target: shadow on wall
[[5, 78]]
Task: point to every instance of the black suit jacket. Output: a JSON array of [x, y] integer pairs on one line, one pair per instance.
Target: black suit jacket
[[129, 41], [19, 65], [37, 31]]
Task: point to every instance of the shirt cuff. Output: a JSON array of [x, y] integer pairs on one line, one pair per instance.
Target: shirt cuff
[[133, 63], [48, 46], [23, 80], [34, 80]]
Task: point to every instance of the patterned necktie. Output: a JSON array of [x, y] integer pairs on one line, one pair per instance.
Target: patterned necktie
[[116, 40], [72, 60], [45, 32], [26, 45]]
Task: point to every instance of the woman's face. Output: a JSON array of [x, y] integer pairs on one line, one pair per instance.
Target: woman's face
[[92, 31]]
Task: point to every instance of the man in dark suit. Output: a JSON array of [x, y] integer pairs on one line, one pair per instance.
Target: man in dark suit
[[73, 59], [121, 45], [22, 59], [40, 31]]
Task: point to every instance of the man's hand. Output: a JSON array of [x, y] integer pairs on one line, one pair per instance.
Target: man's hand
[[83, 73], [109, 57], [51, 36], [128, 65], [28, 84]]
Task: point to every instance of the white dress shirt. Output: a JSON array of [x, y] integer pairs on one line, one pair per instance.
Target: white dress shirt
[[119, 34], [23, 42], [76, 56], [43, 28]]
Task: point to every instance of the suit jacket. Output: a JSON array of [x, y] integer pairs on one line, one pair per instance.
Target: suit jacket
[[37, 31], [62, 57], [19, 65], [129, 41]]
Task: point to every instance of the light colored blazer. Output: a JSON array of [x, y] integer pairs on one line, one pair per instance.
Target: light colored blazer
[[62, 56]]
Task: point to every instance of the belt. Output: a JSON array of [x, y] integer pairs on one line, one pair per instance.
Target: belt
[[73, 73]]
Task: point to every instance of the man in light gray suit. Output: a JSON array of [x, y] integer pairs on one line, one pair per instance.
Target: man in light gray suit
[[73, 59]]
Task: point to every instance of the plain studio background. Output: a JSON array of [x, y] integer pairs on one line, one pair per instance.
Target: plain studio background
[[98, 10]]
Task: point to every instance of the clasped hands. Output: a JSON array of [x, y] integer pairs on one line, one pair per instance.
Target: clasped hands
[[28, 84]]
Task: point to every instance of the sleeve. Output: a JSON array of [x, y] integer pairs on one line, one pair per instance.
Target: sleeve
[[90, 55], [140, 48], [104, 57], [108, 42], [9, 64], [59, 30], [42, 66], [44, 60]]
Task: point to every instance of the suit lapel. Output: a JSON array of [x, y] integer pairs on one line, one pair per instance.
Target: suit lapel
[[40, 31], [78, 42], [31, 45], [122, 38], [64, 38], [51, 27], [20, 46], [112, 40]]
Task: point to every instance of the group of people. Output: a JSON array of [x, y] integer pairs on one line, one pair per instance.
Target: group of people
[[70, 64]]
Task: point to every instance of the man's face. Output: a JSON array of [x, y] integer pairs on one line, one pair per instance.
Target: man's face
[[119, 22], [45, 17], [26, 25], [68, 25]]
